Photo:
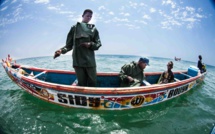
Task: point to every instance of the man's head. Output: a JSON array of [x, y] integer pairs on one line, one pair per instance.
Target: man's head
[[143, 62], [170, 65], [200, 57], [87, 15]]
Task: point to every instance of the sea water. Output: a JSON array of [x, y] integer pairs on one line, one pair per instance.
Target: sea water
[[191, 113]]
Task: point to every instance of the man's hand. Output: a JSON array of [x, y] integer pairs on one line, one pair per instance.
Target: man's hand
[[57, 53], [130, 79], [86, 44]]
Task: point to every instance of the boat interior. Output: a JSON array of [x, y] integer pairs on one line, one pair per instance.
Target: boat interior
[[103, 79]]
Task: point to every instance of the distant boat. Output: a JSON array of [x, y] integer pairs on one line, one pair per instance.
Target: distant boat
[[177, 59], [60, 87]]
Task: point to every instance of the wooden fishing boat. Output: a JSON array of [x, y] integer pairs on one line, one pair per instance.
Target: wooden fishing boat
[[177, 59], [59, 87]]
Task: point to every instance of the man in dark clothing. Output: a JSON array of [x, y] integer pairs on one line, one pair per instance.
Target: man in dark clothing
[[200, 65], [167, 76], [132, 75], [84, 39]]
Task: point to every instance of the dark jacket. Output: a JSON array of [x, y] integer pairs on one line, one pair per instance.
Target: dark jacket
[[200, 65], [80, 33], [134, 71]]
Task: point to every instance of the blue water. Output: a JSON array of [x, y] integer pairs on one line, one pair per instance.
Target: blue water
[[191, 113]]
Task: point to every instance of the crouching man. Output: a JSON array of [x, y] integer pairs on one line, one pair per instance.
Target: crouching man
[[132, 74]]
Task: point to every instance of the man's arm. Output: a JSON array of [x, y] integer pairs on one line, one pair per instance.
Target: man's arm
[[172, 78], [69, 44], [161, 78], [69, 41], [124, 74], [96, 43]]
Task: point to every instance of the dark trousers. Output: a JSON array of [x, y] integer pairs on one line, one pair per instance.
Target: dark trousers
[[86, 76]]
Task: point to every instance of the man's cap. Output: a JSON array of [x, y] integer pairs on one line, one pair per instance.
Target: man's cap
[[144, 60], [170, 64]]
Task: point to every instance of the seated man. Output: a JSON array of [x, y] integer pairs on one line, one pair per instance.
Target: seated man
[[133, 74], [23, 72], [167, 76]]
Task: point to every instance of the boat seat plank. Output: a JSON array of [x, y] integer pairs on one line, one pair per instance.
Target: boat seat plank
[[146, 83], [39, 74], [75, 83], [176, 79], [186, 75]]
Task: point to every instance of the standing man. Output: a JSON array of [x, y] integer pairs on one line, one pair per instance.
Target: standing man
[[132, 74], [84, 39], [200, 65]]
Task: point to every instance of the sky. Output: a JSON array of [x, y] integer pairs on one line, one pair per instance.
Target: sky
[[152, 28]]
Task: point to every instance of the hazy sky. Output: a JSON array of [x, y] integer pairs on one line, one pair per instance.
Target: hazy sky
[[158, 28]]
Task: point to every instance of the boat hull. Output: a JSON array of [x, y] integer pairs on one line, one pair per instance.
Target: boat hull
[[101, 98]]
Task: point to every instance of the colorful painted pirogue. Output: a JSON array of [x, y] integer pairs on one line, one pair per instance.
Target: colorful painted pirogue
[[59, 87]]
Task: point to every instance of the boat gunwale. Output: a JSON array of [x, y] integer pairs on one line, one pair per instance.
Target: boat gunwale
[[104, 91]]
